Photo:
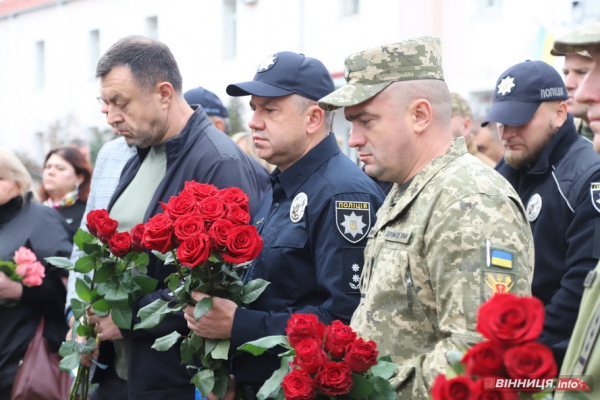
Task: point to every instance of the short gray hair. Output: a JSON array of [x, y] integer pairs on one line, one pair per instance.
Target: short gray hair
[[302, 103]]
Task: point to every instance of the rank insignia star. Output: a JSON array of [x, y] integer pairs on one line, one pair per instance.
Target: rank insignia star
[[353, 224], [267, 64], [506, 85]]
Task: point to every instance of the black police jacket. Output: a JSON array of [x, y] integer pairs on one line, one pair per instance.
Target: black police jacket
[[566, 228]]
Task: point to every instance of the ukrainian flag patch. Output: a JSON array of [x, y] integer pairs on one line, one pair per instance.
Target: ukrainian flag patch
[[502, 259]]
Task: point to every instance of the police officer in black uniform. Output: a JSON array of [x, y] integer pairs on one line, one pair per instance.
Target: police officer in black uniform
[[314, 222], [557, 176]]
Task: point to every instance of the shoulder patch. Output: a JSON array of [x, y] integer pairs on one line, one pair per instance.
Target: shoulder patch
[[595, 193], [353, 219]]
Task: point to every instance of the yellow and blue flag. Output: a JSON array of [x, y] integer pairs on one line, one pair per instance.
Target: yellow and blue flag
[[502, 259]]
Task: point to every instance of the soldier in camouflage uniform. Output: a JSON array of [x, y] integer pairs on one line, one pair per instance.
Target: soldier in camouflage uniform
[[583, 354], [451, 232]]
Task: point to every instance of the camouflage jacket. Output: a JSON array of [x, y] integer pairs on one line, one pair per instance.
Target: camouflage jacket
[[427, 265]]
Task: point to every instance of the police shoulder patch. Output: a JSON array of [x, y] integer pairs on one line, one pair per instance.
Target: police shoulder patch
[[595, 193], [353, 219]]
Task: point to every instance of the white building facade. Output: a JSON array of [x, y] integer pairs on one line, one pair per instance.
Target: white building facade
[[49, 49]]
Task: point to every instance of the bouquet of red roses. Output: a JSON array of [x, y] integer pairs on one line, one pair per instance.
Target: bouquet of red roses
[[324, 362], [512, 325], [25, 269], [113, 275], [204, 233]]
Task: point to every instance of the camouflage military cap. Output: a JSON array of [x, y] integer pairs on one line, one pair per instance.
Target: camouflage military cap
[[578, 40], [460, 106], [370, 71]]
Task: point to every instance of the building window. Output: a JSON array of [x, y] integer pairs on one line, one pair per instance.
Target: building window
[[94, 52], [40, 68], [152, 27], [348, 7], [229, 28]]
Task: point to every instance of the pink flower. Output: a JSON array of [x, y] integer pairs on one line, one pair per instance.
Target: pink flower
[[23, 268], [32, 273], [24, 255]]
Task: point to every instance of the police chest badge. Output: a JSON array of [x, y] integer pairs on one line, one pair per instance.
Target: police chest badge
[[353, 219], [297, 208], [534, 206], [595, 192]]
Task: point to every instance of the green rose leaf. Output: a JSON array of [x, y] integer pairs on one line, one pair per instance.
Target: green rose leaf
[[221, 351], [147, 284], [162, 257], [197, 341], [172, 282], [83, 290], [141, 262], [383, 390], [259, 346], [82, 237], [101, 306], [69, 362], [221, 383], [253, 289], [152, 314], [104, 273], [361, 387], [209, 345], [384, 369], [85, 264], [78, 308], [68, 347], [166, 342], [60, 262], [121, 315], [85, 330], [272, 386], [88, 347], [187, 350], [204, 380], [202, 307], [116, 295]]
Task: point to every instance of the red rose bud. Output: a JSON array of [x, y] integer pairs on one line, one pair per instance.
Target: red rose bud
[[195, 250], [310, 355], [212, 209], [459, 388], [361, 355], [180, 205], [200, 190], [243, 244], [298, 385], [236, 215], [188, 225], [334, 379], [304, 326], [338, 337], [219, 232], [120, 244], [159, 234], [137, 237], [106, 227], [234, 195], [510, 320], [530, 361], [485, 358], [92, 219]]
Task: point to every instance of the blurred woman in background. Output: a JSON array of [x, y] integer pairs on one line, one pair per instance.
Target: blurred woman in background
[[66, 184], [24, 222]]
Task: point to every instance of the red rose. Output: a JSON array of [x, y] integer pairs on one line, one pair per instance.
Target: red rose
[[188, 225], [236, 215], [485, 358], [137, 237], [120, 244], [235, 195], [480, 390], [159, 234], [298, 385], [310, 355], [334, 378], [219, 232], [361, 355], [194, 251], [338, 337], [243, 244], [304, 326], [180, 205], [459, 388], [92, 219], [106, 227], [531, 360], [212, 209], [200, 190], [510, 320]]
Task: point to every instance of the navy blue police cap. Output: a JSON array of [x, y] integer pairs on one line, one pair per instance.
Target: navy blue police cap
[[286, 73], [209, 101], [521, 89]]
